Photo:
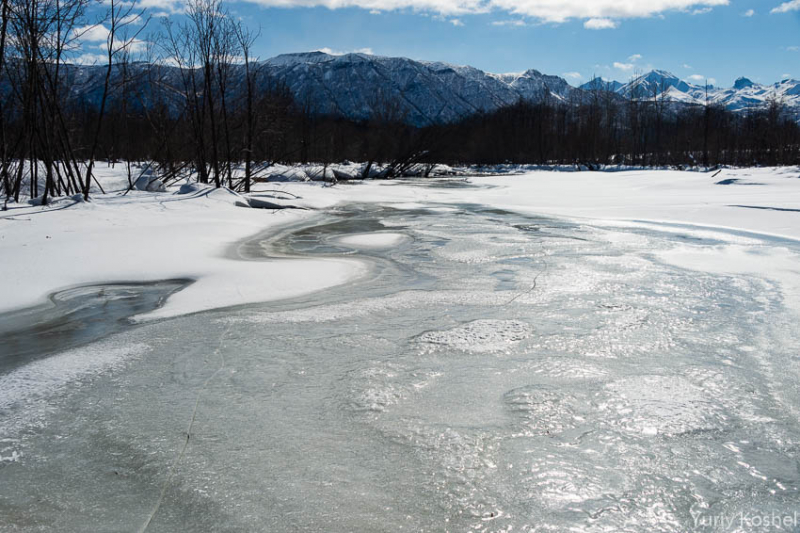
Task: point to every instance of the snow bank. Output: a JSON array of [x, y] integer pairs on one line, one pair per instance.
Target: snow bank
[[763, 206], [347, 171], [764, 200], [145, 236], [778, 263]]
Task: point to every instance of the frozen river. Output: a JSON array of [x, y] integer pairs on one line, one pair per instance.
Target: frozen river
[[492, 372]]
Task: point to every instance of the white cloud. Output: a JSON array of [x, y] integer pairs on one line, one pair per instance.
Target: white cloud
[[573, 75], [544, 10], [699, 78], [91, 59], [749, 13], [133, 19], [95, 37], [792, 5], [514, 22], [91, 34], [162, 6], [624, 67], [332, 52], [441, 7], [793, 48], [456, 22], [562, 10], [600, 24], [702, 11], [635, 57], [687, 66]]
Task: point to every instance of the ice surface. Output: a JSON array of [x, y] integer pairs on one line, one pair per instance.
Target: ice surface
[[479, 336], [373, 240], [155, 236], [27, 393], [497, 372]]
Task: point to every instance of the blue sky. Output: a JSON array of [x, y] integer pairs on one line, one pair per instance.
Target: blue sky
[[694, 39]]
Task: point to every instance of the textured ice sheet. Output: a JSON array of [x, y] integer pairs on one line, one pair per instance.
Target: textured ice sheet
[[631, 395], [29, 392], [652, 405], [488, 335], [405, 300], [382, 386]]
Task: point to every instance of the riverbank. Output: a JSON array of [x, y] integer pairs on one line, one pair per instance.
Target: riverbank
[[143, 236]]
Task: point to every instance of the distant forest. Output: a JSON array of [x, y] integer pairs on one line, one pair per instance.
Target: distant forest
[[192, 101]]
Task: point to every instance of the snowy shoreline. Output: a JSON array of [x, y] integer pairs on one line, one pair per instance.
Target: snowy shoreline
[[154, 236], [145, 237]]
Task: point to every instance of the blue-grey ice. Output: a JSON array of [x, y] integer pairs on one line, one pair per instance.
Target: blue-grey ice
[[491, 372]]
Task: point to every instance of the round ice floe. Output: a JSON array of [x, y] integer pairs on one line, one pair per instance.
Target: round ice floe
[[656, 405], [373, 241], [479, 336], [546, 410], [567, 368], [379, 387], [557, 481]]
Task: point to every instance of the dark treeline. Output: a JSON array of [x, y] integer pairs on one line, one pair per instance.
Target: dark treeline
[[603, 129], [193, 101]]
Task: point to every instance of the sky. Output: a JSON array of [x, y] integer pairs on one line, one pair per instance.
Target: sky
[[697, 40]]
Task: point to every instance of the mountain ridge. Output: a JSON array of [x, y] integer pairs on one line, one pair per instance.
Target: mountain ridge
[[744, 95], [462, 90], [361, 87]]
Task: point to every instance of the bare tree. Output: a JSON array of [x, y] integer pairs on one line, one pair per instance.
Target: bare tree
[[120, 15], [246, 38]]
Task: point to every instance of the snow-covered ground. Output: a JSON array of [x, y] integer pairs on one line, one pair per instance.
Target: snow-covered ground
[[151, 236], [505, 352]]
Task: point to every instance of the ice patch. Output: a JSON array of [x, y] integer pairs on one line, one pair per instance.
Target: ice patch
[[24, 392], [371, 306], [480, 336], [671, 405], [564, 368], [373, 240], [379, 387], [546, 410], [559, 483], [774, 262]]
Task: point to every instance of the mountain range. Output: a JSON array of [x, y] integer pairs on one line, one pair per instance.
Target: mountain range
[[355, 85], [744, 94], [360, 86]]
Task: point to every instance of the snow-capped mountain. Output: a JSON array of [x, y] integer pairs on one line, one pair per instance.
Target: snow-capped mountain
[[744, 95], [601, 84], [356, 85], [359, 85]]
